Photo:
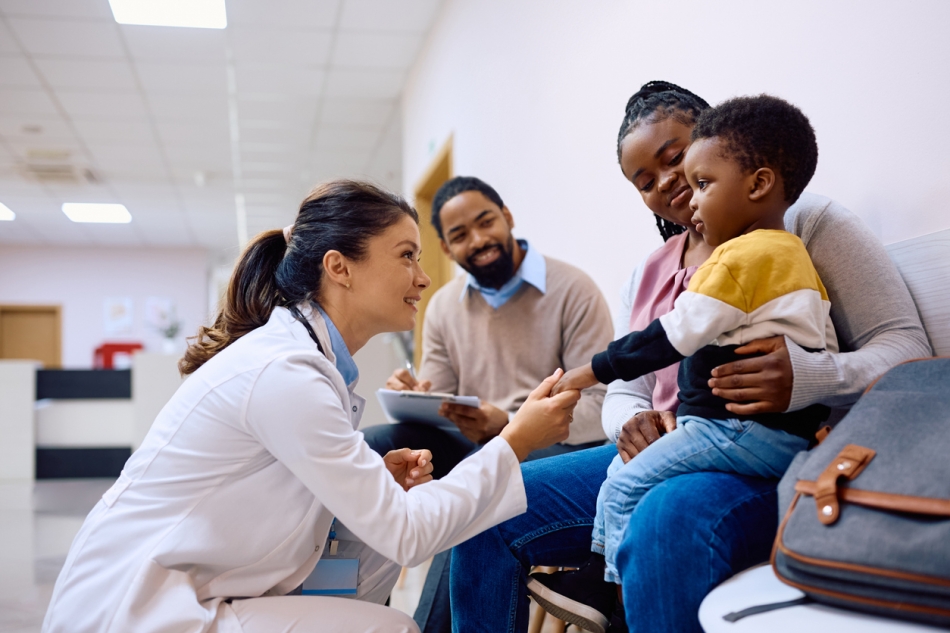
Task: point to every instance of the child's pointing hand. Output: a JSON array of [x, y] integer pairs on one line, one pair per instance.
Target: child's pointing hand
[[579, 378]]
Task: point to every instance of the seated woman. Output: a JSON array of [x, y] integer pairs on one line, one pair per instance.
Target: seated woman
[[692, 532], [236, 490]]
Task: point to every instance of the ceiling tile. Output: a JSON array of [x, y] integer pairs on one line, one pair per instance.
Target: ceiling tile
[[369, 84], [355, 111], [126, 132], [23, 128], [197, 157], [122, 159], [15, 71], [339, 137], [361, 49], [87, 74], [185, 106], [384, 15], [293, 14], [74, 38], [164, 44], [278, 107], [212, 131], [7, 42], [262, 45], [277, 133], [13, 187], [109, 106], [284, 79], [57, 8], [182, 77], [19, 101]]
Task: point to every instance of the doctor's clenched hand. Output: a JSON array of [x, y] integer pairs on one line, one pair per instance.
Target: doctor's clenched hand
[[408, 467]]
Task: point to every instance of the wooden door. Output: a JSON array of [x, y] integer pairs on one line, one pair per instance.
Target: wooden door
[[434, 262], [31, 332]]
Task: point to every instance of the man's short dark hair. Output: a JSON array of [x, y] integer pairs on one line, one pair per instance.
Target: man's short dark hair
[[764, 131], [455, 186]]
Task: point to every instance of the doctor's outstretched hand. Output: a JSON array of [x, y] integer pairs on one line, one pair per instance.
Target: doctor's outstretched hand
[[543, 419], [408, 467]]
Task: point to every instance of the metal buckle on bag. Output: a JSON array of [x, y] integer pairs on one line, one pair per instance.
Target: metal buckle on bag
[[848, 464]]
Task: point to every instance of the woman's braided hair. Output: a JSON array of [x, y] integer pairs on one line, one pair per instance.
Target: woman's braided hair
[[660, 99]]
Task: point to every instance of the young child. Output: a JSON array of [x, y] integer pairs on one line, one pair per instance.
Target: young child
[[749, 160]]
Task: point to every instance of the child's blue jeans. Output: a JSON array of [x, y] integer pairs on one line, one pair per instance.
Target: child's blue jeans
[[697, 445]]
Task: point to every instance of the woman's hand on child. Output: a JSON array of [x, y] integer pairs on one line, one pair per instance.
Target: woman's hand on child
[[408, 467], [578, 378], [760, 384], [642, 430]]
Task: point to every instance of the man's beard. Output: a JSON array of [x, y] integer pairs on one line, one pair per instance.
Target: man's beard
[[496, 274]]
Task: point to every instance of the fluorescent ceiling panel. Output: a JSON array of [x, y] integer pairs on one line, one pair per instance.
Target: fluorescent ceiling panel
[[201, 14], [96, 212], [6, 213]]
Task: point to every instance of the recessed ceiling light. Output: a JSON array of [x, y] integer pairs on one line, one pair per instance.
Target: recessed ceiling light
[[6, 213], [202, 14], [95, 212]]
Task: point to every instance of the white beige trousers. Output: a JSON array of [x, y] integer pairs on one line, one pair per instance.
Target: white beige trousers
[[364, 613]]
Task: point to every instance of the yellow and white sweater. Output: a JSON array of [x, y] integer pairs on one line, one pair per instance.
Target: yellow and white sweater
[[754, 286]]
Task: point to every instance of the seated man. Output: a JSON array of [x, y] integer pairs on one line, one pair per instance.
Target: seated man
[[498, 331], [494, 333]]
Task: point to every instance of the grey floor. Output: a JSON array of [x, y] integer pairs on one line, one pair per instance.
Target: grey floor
[[38, 522]]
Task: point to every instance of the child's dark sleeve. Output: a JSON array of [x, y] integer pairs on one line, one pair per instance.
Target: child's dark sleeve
[[635, 355]]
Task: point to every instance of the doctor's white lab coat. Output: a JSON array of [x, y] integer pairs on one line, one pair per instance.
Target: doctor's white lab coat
[[233, 491]]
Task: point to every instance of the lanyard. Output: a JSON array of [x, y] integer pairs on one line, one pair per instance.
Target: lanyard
[[331, 539], [296, 314]]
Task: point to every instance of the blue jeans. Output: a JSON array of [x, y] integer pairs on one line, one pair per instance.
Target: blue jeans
[[697, 445], [686, 536]]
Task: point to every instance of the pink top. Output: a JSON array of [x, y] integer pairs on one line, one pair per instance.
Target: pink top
[[662, 281]]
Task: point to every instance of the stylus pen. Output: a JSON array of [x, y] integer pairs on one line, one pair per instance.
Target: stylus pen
[[412, 370]]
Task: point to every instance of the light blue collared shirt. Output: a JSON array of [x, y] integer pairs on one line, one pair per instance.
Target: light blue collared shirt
[[533, 270], [344, 361]]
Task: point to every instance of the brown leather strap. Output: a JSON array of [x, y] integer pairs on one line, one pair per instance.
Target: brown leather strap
[[848, 464], [885, 500]]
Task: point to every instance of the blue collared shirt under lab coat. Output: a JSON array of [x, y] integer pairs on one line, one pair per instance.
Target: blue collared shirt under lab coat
[[533, 270], [344, 361]]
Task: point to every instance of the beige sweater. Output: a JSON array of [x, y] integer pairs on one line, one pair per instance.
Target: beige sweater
[[500, 355]]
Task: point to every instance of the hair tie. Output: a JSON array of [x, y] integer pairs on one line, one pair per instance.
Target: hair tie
[[288, 230]]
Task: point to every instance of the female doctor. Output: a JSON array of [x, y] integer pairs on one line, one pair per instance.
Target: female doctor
[[254, 468]]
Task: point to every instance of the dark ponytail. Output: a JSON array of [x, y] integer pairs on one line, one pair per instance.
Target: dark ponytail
[[662, 99], [341, 215]]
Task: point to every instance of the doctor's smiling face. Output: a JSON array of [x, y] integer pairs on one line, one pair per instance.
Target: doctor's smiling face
[[387, 283]]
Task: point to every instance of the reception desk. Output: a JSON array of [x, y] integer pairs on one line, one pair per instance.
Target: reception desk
[[78, 423]]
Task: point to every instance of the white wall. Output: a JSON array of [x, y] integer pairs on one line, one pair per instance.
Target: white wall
[[534, 92], [81, 279]]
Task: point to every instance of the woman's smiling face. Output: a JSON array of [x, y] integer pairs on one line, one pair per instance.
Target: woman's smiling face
[[388, 283], [651, 157]]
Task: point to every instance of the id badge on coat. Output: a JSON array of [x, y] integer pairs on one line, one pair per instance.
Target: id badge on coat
[[333, 577]]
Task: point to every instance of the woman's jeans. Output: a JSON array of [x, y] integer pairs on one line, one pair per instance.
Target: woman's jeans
[[686, 536], [697, 445]]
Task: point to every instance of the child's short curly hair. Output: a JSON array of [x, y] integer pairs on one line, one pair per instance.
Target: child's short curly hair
[[764, 131]]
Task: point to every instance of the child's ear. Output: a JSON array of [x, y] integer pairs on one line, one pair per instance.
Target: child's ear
[[762, 181]]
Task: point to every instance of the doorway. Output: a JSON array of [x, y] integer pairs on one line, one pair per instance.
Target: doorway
[[31, 333], [434, 262]]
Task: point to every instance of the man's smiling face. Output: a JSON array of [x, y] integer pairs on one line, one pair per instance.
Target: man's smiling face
[[478, 237]]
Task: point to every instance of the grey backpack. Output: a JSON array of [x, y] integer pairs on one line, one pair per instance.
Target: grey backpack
[[867, 512]]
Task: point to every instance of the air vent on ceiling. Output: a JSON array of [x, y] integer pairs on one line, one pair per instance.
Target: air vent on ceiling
[[55, 166]]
